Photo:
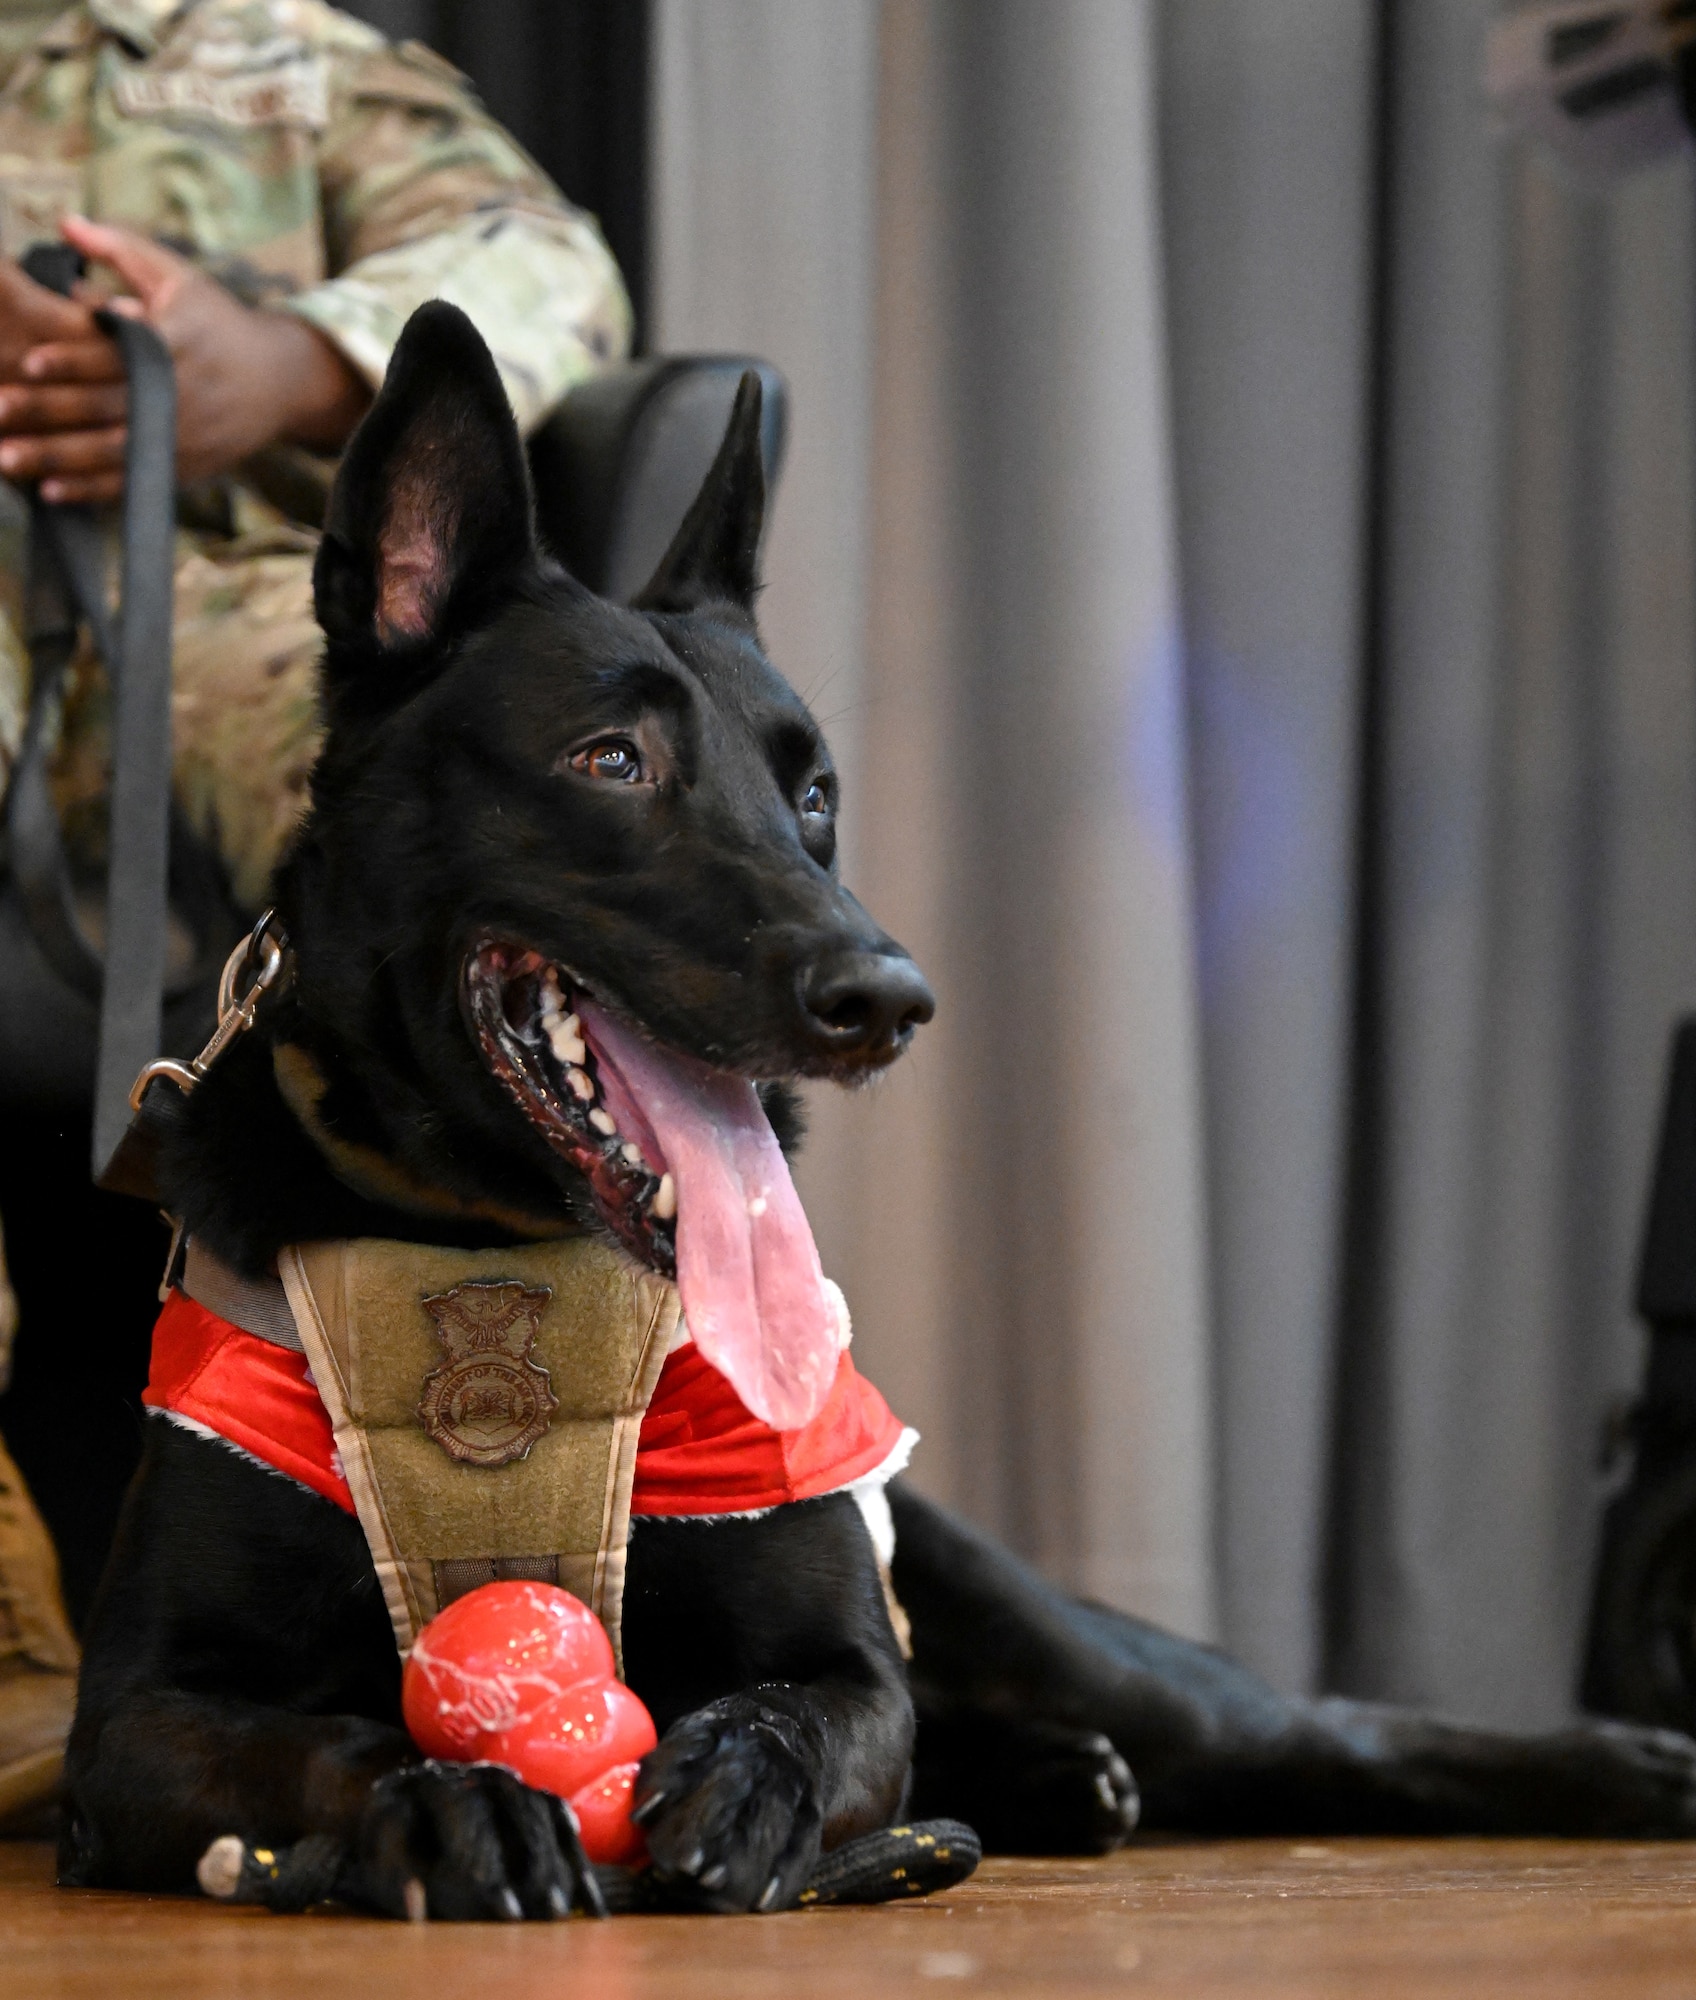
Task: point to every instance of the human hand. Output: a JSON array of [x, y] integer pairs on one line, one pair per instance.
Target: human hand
[[86, 405], [245, 378]]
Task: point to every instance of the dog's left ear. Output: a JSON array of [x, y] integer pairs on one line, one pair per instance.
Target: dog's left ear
[[432, 505], [714, 556]]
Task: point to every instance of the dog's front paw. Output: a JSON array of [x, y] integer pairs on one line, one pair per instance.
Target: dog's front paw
[[467, 1842], [731, 1808]]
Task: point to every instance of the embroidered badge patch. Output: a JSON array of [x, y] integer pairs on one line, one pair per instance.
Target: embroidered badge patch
[[488, 1402]]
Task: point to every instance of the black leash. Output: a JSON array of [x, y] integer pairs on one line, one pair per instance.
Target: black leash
[[131, 1006], [68, 583]]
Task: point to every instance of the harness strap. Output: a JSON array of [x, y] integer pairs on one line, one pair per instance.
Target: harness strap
[[257, 1305], [361, 1411]]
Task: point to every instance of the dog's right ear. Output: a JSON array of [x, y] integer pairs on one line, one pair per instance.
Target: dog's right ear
[[431, 510], [714, 556]]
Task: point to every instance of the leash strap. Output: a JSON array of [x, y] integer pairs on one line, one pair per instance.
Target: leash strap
[[132, 995], [68, 583]]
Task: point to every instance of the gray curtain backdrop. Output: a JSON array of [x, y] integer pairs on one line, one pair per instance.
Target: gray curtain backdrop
[[1239, 533], [1267, 154], [1530, 900]]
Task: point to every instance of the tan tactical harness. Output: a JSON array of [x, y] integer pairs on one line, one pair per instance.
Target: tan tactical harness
[[486, 1405]]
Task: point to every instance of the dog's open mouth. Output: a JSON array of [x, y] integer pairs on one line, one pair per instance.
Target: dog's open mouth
[[683, 1167], [530, 1029]]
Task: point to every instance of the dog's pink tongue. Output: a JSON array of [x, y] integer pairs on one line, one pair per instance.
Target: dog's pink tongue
[[747, 1266]]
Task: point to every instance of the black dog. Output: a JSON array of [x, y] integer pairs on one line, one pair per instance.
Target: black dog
[[520, 776]]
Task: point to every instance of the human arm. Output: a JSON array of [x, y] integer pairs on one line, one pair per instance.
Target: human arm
[[425, 196], [422, 196]]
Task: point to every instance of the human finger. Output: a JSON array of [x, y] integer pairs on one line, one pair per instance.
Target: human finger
[[91, 490], [150, 270], [69, 454], [48, 315], [82, 407], [95, 360]]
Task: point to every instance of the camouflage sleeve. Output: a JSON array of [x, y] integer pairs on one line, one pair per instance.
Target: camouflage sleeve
[[426, 197]]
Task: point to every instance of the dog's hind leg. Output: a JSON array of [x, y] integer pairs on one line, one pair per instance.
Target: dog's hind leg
[[1020, 1690]]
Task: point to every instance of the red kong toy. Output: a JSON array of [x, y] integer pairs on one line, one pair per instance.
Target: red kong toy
[[522, 1674]]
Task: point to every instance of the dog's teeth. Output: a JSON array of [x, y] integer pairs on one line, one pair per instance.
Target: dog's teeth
[[569, 1049], [602, 1121], [633, 1152], [664, 1204], [580, 1083]]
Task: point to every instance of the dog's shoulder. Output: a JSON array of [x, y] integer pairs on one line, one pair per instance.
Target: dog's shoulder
[[226, 1573]]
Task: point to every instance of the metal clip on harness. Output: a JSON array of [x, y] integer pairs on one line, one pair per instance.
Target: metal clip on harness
[[259, 960]]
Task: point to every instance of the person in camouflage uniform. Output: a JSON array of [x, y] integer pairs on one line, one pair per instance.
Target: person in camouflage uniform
[[275, 187], [328, 182]]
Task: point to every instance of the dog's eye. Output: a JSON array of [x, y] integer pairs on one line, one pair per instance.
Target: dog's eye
[[614, 757], [815, 799]]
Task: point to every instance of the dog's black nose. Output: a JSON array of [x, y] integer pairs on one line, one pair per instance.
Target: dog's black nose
[[864, 1003]]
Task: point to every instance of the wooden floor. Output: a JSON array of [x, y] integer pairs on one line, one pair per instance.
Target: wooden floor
[[1379, 1918]]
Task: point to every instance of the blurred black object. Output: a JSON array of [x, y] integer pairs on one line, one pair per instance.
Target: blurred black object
[[569, 80], [616, 467], [1640, 1659], [85, 1266]]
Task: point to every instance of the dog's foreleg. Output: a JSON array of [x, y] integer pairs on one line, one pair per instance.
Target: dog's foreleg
[[764, 1649], [226, 1576], [163, 1774], [184, 1791]]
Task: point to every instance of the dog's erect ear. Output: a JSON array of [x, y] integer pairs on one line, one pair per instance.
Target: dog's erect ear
[[714, 556], [432, 503]]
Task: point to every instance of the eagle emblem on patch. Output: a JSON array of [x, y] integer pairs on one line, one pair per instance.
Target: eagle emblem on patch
[[488, 1402]]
